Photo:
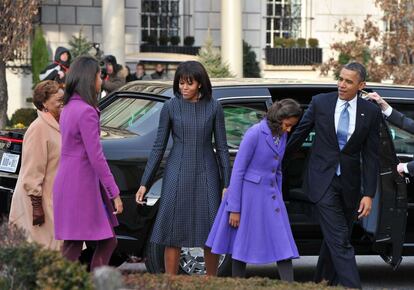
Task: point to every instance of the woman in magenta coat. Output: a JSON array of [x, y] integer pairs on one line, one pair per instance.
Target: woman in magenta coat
[[84, 185], [252, 223]]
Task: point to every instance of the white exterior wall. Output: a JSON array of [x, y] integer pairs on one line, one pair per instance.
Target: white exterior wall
[[206, 15], [19, 88], [324, 15], [63, 18]]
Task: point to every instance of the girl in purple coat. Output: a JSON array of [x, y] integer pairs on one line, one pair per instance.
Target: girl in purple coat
[[252, 223], [84, 185]]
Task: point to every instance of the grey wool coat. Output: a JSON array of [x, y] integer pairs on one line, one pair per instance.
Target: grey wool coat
[[194, 174]]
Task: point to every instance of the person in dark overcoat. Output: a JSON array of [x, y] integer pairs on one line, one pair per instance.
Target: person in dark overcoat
[[342, 173], [194, 174], [399, 120]]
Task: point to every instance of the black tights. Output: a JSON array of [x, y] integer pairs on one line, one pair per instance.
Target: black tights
[[284, 267]]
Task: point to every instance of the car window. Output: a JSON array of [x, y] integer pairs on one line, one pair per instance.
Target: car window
[[135, 115], [240, 117], [403, 140]]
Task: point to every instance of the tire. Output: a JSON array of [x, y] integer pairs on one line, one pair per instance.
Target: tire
[[117, 260], [154, 258], [224, 269], [191, 261]]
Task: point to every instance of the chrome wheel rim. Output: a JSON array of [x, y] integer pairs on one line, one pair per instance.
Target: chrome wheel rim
[[192, 261]]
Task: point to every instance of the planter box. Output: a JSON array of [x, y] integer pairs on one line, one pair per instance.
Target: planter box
[[293, 56], [193, 50]]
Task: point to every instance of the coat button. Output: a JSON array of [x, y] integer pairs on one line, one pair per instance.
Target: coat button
[[277, 210], [272, 184], [276, 157], [273, 196], [273, 170]]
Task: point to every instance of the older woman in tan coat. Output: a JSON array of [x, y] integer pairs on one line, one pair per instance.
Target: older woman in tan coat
[[31, 207]]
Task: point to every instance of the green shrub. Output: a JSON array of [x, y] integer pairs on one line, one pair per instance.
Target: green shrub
[[210, 57], [26, 265], [55, 272], [251, 67], [151, 39], [301, 42], [189, 40], [175, 40], [278, 42], [23, 116], [79, 45], [40, 55], [313, 42], [163, 40], [18, 267], [343, 58], [4, 284], [289, 42]]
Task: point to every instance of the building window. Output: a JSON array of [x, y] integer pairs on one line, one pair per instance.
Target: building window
[[160, 18], [283, 19]]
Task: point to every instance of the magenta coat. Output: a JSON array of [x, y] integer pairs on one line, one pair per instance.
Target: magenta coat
[[81, 211], [264, 234]]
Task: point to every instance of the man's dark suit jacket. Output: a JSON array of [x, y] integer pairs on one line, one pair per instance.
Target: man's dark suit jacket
[[405, 123], [360, 152]]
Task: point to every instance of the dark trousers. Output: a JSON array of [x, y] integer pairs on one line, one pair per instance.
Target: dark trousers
[[71, 250], [336, 263]]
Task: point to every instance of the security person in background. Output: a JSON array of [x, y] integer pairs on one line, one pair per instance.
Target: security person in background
[[113, 75], [57, 70]]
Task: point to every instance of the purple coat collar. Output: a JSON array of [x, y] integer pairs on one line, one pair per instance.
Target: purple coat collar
[[76, 96], [277, 148]]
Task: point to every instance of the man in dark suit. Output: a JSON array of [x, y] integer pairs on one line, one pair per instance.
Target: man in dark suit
[[346, 141], [399, 120]]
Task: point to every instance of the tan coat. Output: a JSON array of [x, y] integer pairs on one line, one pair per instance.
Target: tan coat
[[40, 159]]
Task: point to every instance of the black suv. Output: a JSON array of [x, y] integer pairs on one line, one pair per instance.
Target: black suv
[[129, 120]]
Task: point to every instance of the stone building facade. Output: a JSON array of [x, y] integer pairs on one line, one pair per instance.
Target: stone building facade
[[261, 22]]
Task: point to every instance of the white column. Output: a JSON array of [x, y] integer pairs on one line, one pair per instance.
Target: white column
[[113, 29], [231, 35]]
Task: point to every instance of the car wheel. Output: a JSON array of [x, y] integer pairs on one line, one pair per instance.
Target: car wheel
[[154, 261], [117, 260], [191, 261]]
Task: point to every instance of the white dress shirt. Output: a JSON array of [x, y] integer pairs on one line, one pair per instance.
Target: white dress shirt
[[352, 108], [387, 112]]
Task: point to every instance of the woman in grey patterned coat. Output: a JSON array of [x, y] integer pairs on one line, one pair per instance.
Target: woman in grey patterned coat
[[192, 185]]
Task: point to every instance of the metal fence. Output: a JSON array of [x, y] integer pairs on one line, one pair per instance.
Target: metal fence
[[293, 56], [192, 50]]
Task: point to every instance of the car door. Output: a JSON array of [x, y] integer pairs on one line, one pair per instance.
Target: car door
[[388, 218], [129, 124]]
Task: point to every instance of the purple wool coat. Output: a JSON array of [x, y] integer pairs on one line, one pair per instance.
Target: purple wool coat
[[264, 234], [84, 184]]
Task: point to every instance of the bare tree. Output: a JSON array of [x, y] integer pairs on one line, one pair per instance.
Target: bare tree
[[16, 17], [387, 53]]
